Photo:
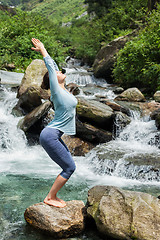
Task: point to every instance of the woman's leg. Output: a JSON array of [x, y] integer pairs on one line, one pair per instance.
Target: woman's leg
[[58, 151], [52, 198]]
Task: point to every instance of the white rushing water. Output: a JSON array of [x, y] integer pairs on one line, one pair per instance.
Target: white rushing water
[[27, 172]]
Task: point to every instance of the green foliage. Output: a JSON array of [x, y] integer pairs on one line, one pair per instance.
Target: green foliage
[[138, 64], [15, 39], [86, 36], [100, 7], [82, 39]]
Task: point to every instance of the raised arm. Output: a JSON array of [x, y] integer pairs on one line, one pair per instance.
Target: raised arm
[[39, 47], [50, 64]]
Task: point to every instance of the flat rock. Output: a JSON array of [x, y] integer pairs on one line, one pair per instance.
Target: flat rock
[[57, 222], [95, 112]]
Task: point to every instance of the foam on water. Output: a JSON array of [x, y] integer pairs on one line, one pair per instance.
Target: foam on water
[[27, 172]]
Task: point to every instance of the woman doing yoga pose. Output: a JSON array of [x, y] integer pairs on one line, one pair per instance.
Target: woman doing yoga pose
[[63, 122]]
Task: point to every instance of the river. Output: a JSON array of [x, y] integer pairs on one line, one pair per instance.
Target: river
[[27, 173]]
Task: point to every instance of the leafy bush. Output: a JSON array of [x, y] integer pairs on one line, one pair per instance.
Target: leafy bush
[[138, 64], [15, 39], [82, 39]]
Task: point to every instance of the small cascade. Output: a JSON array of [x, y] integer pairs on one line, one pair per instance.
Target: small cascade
[[131, 160], [134, 154], [90, 86]]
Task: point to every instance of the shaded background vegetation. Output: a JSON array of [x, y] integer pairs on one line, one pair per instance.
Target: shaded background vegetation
[[66, 29]]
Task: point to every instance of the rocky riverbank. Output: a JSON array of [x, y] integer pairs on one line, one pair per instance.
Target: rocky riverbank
[[116, 213], [95, 119]]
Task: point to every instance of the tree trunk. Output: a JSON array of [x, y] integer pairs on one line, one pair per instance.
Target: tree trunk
[[152, 4]]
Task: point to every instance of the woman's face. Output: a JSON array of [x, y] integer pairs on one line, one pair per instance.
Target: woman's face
[[60, 76]]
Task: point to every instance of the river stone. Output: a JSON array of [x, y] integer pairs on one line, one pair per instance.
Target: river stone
[[33, 76], [157, 96], [95, 112], [125, 215], [32, 117], [116, 107], [57, 222], [77, 146], [131, 94], [29, 100], [156, 116], [121, 121], [91, 133], [106, 57]]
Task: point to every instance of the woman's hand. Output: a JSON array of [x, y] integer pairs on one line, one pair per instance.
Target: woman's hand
[[39, 47]]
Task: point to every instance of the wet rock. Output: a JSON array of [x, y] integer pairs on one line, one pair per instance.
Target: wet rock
[[106, 57], [29, 100], [116, 107], [77, 146], [156, 116], [148, 108], [57, 222], [122, 214], [157, 96], [131, 94], [118, 90], [121, 120], [92, 134], [11, 78], [31, 118], [73, 88], [129, 106], [95, 112], [33, 76]]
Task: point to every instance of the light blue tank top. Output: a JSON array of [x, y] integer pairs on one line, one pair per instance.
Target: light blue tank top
[[64, 102]]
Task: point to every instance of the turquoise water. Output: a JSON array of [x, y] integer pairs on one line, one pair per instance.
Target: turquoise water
[[27, 173]]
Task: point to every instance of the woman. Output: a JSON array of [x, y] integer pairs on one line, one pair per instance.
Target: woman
[[63, 122]]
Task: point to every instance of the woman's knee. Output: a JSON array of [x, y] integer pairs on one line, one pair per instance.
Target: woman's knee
[[72, 168], [69, 171]]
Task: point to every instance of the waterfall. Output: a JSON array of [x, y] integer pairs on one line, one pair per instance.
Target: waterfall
[[131, 160], [134, 154]]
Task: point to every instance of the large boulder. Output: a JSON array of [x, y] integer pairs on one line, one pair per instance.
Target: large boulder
[[157, 96], [122, 214], [29, 100], [95, 112], [33, 76], [106, 57], [57, 222], [91, 133], [131, 94], [31, 118]]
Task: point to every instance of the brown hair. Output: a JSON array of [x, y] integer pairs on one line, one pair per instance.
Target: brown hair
[[45, 83]]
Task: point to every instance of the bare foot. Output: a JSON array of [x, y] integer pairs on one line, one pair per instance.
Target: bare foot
[[60, 200], [55, 202]]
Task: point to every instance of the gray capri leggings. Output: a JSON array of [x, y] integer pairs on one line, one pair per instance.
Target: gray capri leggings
[[50, 139]]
